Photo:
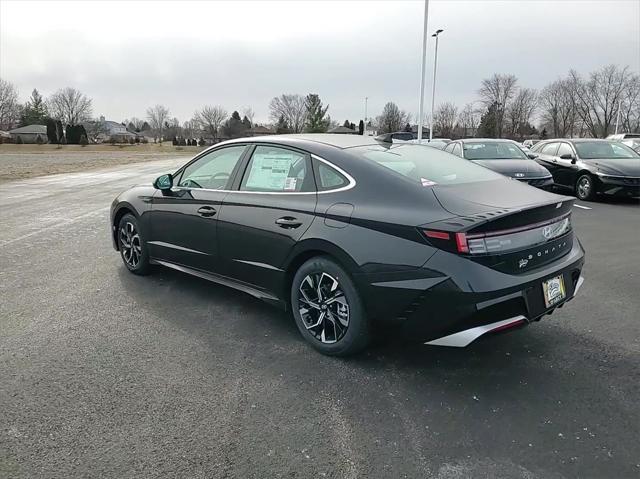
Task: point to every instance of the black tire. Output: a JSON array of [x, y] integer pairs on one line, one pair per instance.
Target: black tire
[[331, 336], [585, 187], [136, 256]]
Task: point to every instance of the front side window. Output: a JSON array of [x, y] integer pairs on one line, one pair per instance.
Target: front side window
[[275, 169], [425, 166], [549, 149], [594, 150], [213, 170], [493, 150], [564, 149]]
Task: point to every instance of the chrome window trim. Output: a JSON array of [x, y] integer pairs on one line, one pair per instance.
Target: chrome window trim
[[350, 179]]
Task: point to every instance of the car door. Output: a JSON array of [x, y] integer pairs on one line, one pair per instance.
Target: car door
[[566, 168], [547, 158], [183, 221], [271, 207]]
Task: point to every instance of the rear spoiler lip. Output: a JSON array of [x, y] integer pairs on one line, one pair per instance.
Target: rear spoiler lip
[[452, 225]]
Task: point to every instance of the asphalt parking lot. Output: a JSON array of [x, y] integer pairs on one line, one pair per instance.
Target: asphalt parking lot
[[105, 374]]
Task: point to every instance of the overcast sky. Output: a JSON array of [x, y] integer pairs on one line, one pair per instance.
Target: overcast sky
[[127, 56]]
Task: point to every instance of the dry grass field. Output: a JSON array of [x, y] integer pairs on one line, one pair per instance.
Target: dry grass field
[[28, 161]]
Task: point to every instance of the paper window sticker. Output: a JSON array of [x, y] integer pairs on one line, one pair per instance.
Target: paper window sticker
[[426, 182]]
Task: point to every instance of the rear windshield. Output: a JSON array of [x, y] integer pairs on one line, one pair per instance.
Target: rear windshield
[[425, 165], [493, 150], [593, 150]]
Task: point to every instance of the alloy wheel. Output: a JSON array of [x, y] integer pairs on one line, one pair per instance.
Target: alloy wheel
[[584, 187], [130, 244], [323, 307]]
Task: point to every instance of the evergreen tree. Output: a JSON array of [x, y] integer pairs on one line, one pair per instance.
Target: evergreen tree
[[246, 123], [347, 124], [316, 121], [51, 131], [361, 128], [34, 111], [234, 127], [282, 126], [488, 127], [352, 126], [60, 133]]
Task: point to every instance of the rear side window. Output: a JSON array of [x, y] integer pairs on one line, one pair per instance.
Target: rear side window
[[424, 165], [328, 178], [275, 169]]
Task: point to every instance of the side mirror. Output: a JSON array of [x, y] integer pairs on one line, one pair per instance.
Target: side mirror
[[567, 156], [532, 156], [164, 182]]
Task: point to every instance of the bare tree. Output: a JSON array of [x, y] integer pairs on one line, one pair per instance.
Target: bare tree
[[521, 110], [210, 119], [630, 106], [392, 118], [70, 106], [137, 123], [444, 119], [498, 90], [291, 108], [158, 116], [9, 107], [557, 105], [468, 120], [96, 129], [249, 113], [190, 128], [597, 99]]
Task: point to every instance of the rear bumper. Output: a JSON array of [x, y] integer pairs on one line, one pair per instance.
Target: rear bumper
[[463, 296], [467, 336]]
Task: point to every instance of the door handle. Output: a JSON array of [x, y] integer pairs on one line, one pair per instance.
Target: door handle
[[207, 211], [288, 222]]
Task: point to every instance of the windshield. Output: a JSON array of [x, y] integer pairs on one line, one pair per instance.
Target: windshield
[[425, 165], [493, 150], [594, 150]]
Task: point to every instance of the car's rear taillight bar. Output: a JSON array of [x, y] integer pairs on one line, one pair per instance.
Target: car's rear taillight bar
[[501, 241]]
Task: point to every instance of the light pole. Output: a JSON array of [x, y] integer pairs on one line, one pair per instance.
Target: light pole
[[618, 115], [424, 60], [366, 99], [433, 92]]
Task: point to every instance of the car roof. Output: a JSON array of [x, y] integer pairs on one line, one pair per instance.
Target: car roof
[[331, 139], [579, 140], [480, 140]]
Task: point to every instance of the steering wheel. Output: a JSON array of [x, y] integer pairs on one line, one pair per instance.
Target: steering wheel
[[220, 175], [189, 183]]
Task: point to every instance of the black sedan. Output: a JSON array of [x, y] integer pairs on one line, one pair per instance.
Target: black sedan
[[590, 166], [349, 233], [505, 157]]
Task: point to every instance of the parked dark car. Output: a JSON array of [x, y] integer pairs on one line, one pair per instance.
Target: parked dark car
[[505, 157], [349, 233], [590, 167], [396, 136]]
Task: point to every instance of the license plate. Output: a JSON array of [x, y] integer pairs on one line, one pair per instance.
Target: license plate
[[553, 290]]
